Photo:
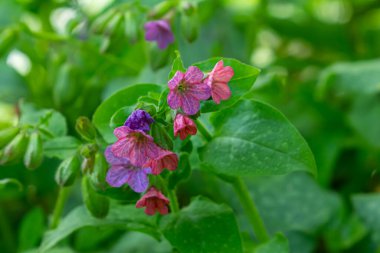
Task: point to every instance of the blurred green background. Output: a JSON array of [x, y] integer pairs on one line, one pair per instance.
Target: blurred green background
[[320, 66]]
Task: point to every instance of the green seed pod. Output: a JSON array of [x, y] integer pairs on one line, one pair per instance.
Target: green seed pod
[[161, 136], [67, 171], [85, 128], [15, 149], [65, 89], [158, 58], [34, 152], [7, 39], [96, 204], [7, 135], [161, 9], [131, 26], [98, 175]]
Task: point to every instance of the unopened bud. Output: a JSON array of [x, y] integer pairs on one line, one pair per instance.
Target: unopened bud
[[67, 171], [34, 152], [161, 136], [98, 175], [7, 39], [7, 135], [96, 204], [85, 128], [15, 149], [161, 9]]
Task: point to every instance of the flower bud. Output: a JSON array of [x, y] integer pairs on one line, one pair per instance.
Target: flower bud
[[7, 39], [67, 171], [98, 175], [34, 152], [100, 24], [7, 135], [161, 9], [190, 23], [65, 88], [15, 149], [131, 26], [158, 58], [96, 204], [161, 137], [85, 128]]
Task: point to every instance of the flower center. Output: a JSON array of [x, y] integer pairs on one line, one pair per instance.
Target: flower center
[[182, 87]]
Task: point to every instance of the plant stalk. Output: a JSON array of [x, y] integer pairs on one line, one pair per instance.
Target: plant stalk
[[63, 195]]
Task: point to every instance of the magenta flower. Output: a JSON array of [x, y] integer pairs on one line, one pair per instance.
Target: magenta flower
[[123, 172], [165, 159], [135, 145], [217, 81], [184, 126], [154, 201], [160, 31], [187, 89], [139, 120]]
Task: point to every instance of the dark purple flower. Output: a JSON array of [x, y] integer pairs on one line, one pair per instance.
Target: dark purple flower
[[123, 172], [139, 120], [187, 89], [160, 31]]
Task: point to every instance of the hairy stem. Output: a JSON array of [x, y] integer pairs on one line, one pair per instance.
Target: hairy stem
[[250, 209]]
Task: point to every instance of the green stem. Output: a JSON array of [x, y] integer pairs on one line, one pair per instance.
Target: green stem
[[250, 210], [173, 201], [63, 194], [201, 127]]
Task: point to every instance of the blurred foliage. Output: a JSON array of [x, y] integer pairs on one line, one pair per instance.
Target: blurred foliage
[[319, 66]]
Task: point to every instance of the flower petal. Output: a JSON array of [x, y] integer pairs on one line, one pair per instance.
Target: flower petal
[[222, 74], [200, 91], [121, 132], [117, 176], [190, 105], [176, 79], [220, 91], [138, 180], [174, 100], [193, 75]]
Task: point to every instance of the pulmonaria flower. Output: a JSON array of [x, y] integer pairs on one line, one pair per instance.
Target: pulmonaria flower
[[165, 159], [123, 172], [217, 81], [139, 120], [160, 31], [154, 201], [187, 89], [135, 145], [184, 126]]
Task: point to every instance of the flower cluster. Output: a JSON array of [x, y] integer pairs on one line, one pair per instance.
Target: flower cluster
[[134, 156], [189, 88]]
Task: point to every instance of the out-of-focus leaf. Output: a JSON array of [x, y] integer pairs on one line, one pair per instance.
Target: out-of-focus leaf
[[10, 182], [125, 97], [203, 226], [278, 244], [12, 84], [31, 230], [141, 243], [254, 139], [123, 217], [61, 147]]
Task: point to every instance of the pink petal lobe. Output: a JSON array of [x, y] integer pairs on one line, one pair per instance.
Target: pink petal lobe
[[220, 91], [176, 79], [190, 105], [174, 100], [193, 75]]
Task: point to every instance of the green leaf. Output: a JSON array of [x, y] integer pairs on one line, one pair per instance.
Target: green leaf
[[367, 207], [61, 147], [123, 217], [31, 230], [12, 84], [278, 244], [123, 98], [254, 139], [240, 84], [177, 65], [203, 226], [351, 79], [49, 120]]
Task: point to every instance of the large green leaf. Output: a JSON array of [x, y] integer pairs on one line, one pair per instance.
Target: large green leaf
[[61, 147], [31, 229], [242, 81], [253, 139], [367, 207], [203, 227], [124, 217], [123, 98], [278, 244]]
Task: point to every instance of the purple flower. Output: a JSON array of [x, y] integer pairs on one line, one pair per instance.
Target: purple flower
[[160, 31], [139, 120], [123, 172], [187, 89]]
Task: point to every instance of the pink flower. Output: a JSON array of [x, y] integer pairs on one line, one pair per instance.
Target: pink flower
[[165, 159], [184, 126], [154, 201], [217, 81], [135, 145], [187, 89]]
